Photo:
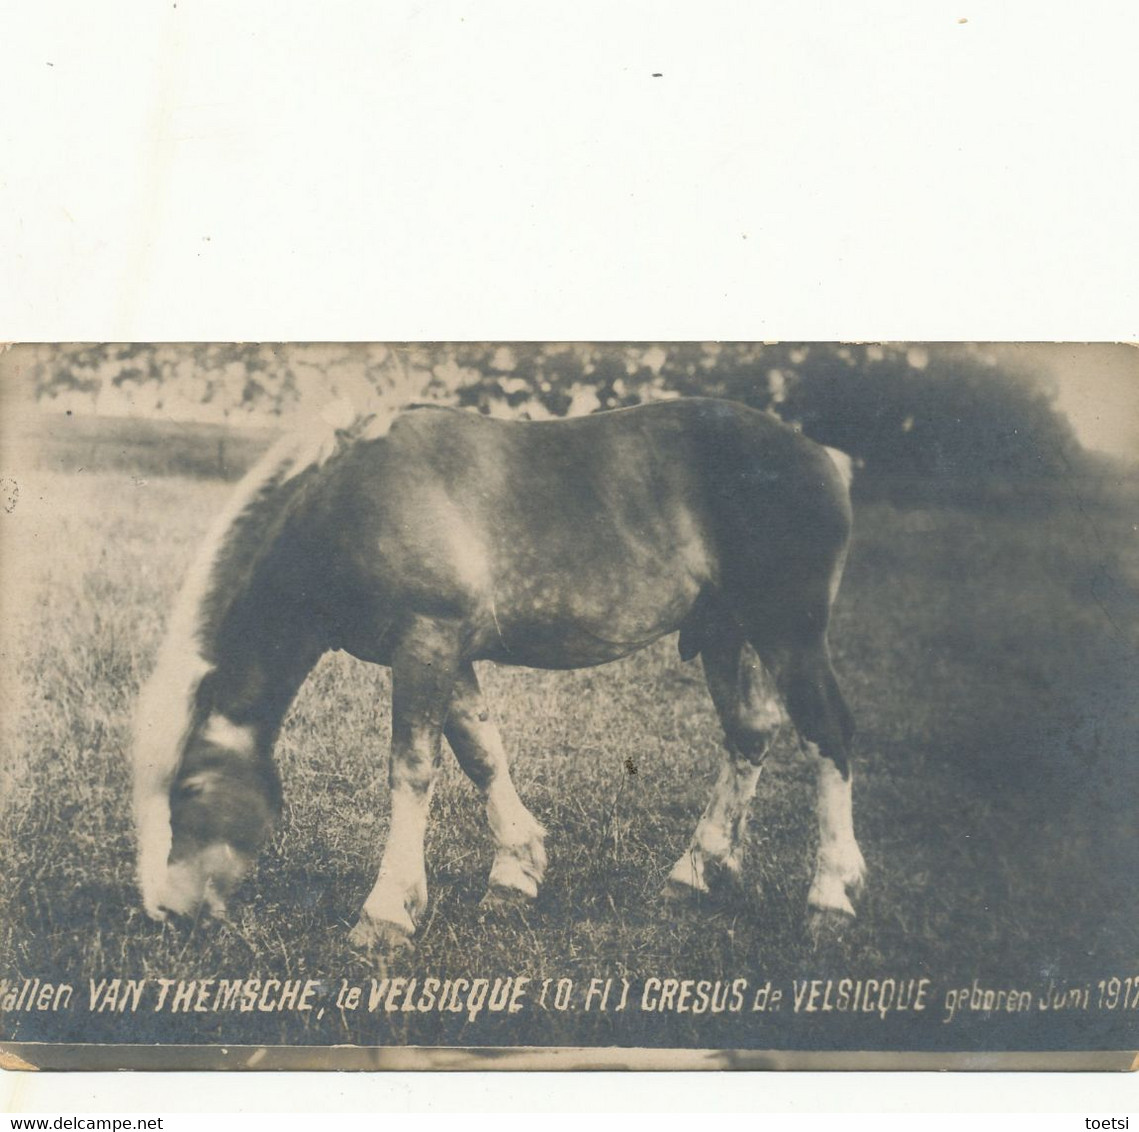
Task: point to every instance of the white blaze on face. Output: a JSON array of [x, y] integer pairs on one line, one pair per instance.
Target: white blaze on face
[[204, 879], [236, 737], [204, 874]]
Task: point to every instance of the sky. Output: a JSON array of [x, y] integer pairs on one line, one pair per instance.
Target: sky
[[1098, 388]]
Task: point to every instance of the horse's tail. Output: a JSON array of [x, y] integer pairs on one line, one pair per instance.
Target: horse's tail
[[844, 463]]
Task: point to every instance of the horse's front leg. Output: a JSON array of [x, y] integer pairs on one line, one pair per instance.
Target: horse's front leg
[[520, 854], [423, 673]]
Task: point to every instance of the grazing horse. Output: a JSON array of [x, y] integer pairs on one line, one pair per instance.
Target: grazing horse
[[440, 538]]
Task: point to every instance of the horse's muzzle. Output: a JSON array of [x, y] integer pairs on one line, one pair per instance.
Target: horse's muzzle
[[198, 884]]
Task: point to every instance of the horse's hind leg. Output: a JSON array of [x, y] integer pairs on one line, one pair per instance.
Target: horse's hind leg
[[839, 868], [825, 727], [750, 714], [520, 854], [424, 668]]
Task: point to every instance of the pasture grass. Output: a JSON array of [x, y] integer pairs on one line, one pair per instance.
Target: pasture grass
[[989, 659], [140, 446]]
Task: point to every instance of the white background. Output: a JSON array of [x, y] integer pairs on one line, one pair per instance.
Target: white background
[[442, 169], [430, 169]]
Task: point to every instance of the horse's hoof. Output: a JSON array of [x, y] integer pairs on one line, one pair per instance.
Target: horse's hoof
[[828, 925], [676, 892], [499, 898], [723, 878], [380, 935]]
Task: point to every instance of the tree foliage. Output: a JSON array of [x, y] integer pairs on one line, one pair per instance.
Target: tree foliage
[[950, 412]]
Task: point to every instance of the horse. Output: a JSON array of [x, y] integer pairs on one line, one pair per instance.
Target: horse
[[433, 538]]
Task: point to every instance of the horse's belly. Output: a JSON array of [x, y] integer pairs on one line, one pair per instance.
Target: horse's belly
[[591, 625], [596, 590]]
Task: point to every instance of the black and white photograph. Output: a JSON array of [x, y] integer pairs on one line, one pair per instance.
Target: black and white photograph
[[592, 537], [647, 704]]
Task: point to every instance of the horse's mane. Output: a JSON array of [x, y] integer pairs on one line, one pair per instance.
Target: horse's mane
[[238, 541], [229, 554]]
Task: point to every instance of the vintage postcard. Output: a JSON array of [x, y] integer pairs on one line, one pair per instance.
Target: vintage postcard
[[567, 705]]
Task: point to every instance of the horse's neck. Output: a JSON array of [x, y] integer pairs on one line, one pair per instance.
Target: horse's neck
[[260, 647], [255, 627], [257, 675]]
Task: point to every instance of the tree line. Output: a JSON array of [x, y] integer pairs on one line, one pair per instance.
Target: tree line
[[951, 412]]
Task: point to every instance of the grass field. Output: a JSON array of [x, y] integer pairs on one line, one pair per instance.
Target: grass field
[[990, 660]]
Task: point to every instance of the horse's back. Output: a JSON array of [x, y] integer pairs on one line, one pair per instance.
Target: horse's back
[[702, 443], [737, 480]]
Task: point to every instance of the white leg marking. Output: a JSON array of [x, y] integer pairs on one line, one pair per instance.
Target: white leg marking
[[520, 859], [718, 841], [423, 672], [520, 854], [839, 867], [400, 892]]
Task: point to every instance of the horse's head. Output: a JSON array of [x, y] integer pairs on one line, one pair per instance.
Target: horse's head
[[238, 645], [199, 839]]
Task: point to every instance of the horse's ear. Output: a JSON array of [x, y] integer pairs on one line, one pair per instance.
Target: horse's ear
[[690, 642]]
